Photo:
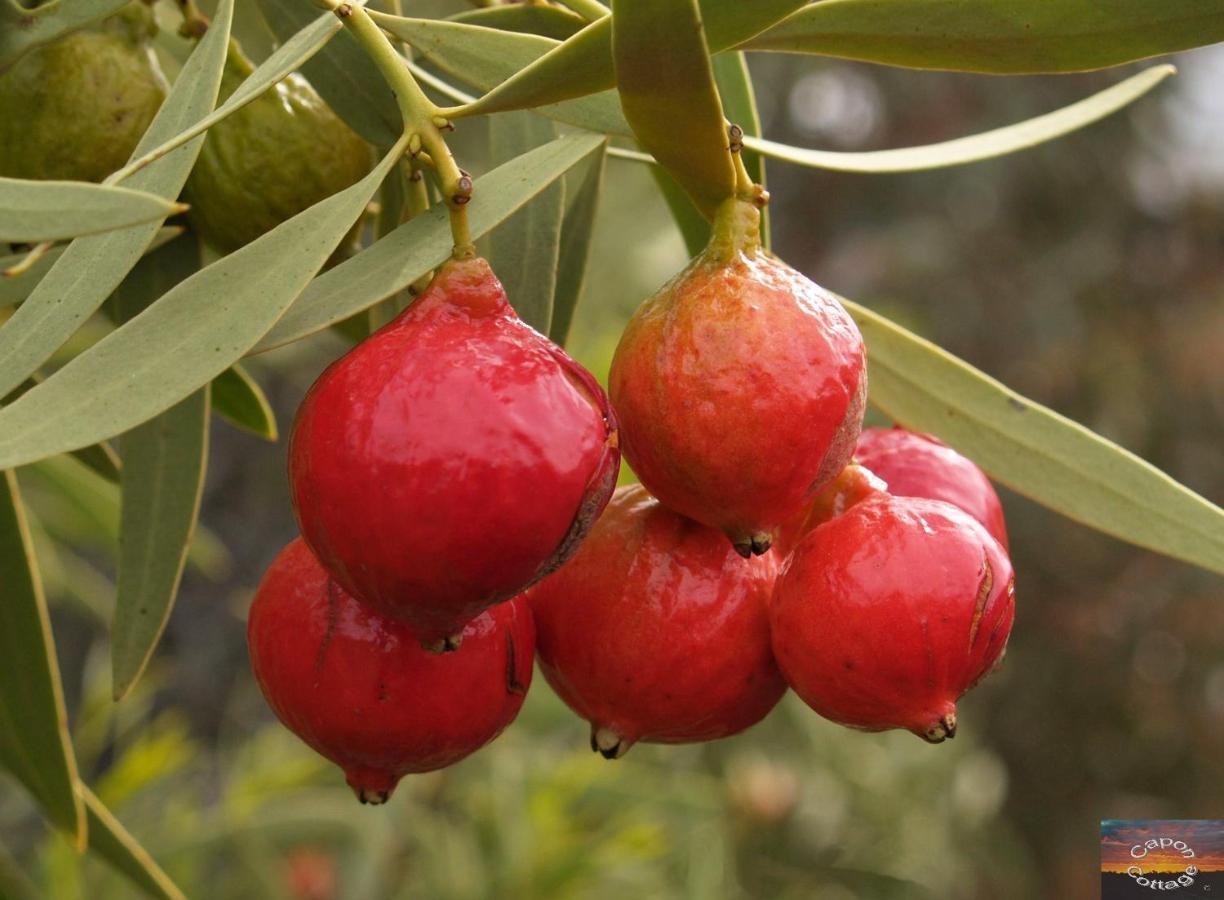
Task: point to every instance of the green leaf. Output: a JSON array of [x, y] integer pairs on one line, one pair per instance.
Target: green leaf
[[288, 58], [422, 244], [580, 66], [187, 338], [92, 267], [694, 227], [577, 229], [996, 36], [525, 248], [238, 398], [14, 289], [102, 458], [739, 103], [974, 148], [14, 883], [1035, 451], [548, 21], [111, 841], [667, 91], [164, 461], [33, 211], [343, 74], [34, 743], [22, 29]]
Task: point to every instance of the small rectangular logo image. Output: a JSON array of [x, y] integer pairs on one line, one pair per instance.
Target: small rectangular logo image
[[1147, 857]]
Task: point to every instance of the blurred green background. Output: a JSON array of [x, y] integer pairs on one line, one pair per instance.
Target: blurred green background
[[1087, 274]]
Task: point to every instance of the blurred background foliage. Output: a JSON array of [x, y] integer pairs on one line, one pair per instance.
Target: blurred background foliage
[[1088, 274]]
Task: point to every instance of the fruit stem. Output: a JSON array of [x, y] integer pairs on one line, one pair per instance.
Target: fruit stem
[[423, 122], [736, 229]]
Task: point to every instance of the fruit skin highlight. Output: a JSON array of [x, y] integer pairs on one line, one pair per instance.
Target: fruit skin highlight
[[919, 465], [885, 615], [280, 154], [360, 690], [451, 459], [75, 109], [657, 631], [739, 387]]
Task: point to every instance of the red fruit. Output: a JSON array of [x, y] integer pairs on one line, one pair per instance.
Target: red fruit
[[359, 688], [739, 387], [885, 615], [919, 465], [452, 458], [656, 631]]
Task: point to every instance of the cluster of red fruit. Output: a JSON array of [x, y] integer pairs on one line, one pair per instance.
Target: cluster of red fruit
[[450, 477]]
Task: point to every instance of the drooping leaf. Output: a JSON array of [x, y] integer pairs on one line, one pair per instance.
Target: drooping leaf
[[974, 148], [996, 36], [667, 90], [577, 229], [113, 843], [163, 476], [739, 103], [287, 58], [580, 66], [343, 74], [423, 243], [15, 289], [92, 267], [238, 398], [694, 227], [188, 337], [524, 249], [34, 742], [548, 21], [22, 28], [55, 210], [1035, 451]]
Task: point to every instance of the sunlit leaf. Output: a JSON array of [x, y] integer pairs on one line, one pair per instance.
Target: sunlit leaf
[[113, 843], [997, 36], [974, 148], [577, 229], [34, 743], [238, 398], [424, 243], [92, 267], [343, 74], [187, 338], [1035, 451], [548, 21], [163, 475], [22, 28], [524, 249], [55, 210], [667, 91]]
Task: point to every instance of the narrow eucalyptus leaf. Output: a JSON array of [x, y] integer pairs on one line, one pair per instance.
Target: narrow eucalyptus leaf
[[34, 743], [577, 229], [547, 21], [187, 338], [113, 843], [1034, 450], [238, 398], [91, 267], [423, 243], [33, 211], [524, 249]]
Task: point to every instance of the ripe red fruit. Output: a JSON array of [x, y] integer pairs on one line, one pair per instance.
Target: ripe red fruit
[[739, 387], [452, 458], [885, 615], [359, 688], [919, 465], [656, 631]]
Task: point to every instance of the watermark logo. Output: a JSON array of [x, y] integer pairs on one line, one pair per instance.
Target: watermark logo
[[1142, 857]]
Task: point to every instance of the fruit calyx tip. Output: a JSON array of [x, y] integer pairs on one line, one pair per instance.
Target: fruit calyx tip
[[944, 728], [607, 743]]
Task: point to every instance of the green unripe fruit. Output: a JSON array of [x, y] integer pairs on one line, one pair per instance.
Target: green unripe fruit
[[278, 155], [75, 109]]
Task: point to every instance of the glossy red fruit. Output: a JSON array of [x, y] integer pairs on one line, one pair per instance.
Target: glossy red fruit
[[452, 458], [360, 689], [656, 631], [885, 615], [739, 387], [919, 465]]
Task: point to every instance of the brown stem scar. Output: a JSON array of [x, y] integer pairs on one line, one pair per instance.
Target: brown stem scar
[[983, 594]]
